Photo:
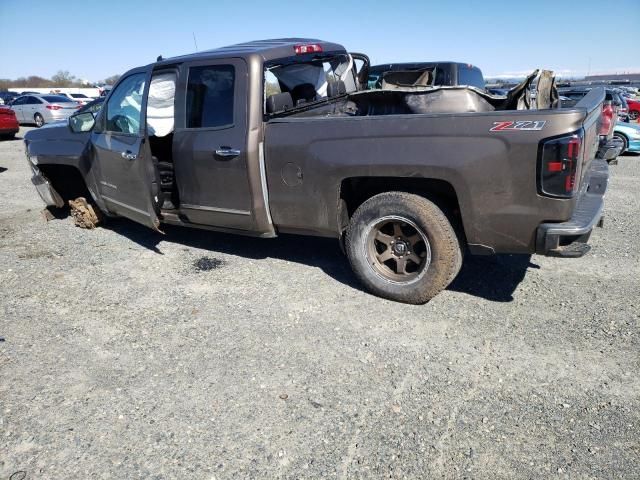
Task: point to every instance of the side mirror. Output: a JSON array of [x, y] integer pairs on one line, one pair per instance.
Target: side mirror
[[82, 122]]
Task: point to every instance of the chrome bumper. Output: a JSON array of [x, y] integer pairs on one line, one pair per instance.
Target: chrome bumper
[[569, 239], [47, 193]]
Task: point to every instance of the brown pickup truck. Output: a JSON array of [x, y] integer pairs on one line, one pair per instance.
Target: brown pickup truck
[[278, 136]]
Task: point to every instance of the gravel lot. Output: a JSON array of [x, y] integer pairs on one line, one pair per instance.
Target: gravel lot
[[127, 354]]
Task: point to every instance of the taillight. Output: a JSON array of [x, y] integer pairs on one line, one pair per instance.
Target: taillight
[[53, 107], [559, 161], [606, 119], [311, 48]]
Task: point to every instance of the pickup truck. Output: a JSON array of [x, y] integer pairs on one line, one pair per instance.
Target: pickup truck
[[275, 136]]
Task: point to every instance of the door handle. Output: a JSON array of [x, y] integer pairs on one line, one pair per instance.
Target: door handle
[[227, 152], [128, 155]]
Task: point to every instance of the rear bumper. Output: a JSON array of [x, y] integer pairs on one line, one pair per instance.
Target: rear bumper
[[569, 239], [610, 149]]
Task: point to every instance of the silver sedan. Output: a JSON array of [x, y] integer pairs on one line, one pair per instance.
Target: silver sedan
[[41, 109]]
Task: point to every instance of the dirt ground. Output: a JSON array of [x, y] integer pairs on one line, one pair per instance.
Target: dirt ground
[[128, 354]]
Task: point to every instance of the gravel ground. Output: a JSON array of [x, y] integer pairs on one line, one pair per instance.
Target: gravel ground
[[127, 354]]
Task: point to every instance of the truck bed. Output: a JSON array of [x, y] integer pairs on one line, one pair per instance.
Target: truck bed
[[493, 173]]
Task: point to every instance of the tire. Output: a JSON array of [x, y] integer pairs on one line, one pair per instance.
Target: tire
[[624, 141], [634, 114], [402, 247], [39, 120]]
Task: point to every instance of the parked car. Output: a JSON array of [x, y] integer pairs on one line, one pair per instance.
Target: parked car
[[623, 106], [41, 109], [574, 94], [6, 97], [8, 123], [79, 98], [443, 73], [629, 135], [403, 178], [62, 125], [634, 108], [629, 92], [104, 90]]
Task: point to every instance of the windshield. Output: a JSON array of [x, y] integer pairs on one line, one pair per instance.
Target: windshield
[[308, 81]]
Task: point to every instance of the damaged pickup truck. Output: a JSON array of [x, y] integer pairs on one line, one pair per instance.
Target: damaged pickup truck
[[277, 136]]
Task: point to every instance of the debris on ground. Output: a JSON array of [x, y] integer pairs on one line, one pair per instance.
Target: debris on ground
[[84, 215], [204, 264]]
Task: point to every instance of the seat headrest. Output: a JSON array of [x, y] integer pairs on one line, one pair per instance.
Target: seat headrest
[[336, 88], [279, 102], [304, 91]]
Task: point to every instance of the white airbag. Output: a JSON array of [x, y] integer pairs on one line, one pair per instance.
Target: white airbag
[[160, 115]]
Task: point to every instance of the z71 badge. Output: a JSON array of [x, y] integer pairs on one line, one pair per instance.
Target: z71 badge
[[520, 125]]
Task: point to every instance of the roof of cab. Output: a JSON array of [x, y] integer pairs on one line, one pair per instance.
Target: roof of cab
[[267, 49]]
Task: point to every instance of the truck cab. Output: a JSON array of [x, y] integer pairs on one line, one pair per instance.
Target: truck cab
[[181, 140]]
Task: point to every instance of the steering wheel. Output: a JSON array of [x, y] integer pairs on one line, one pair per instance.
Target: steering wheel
[[121, 123]]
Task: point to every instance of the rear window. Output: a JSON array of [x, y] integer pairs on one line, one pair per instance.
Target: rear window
[[468, 75], [56, 99], [307, 81]]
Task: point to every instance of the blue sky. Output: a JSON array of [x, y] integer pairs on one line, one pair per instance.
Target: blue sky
[[95, 39]]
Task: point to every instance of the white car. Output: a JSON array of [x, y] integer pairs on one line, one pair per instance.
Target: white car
[[80, 98], [41, 109]]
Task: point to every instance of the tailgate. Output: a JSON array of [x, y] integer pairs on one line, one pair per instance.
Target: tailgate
[[592, 103]]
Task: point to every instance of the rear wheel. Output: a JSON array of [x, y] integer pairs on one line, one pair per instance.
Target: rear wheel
[[39, 120], [402, 247], [624, 140]]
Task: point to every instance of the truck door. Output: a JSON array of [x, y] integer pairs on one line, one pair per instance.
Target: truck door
[[126, 176], [210, 143]]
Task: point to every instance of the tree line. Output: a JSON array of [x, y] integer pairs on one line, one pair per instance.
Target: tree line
[[61, 79]]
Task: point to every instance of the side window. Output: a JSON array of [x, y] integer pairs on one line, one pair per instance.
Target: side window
[[210, 96], [32, 101], [271, 84], [124, 108]]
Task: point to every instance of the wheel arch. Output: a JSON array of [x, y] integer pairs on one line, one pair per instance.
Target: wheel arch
[[625, 137], [66, 180], [356, 190]]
